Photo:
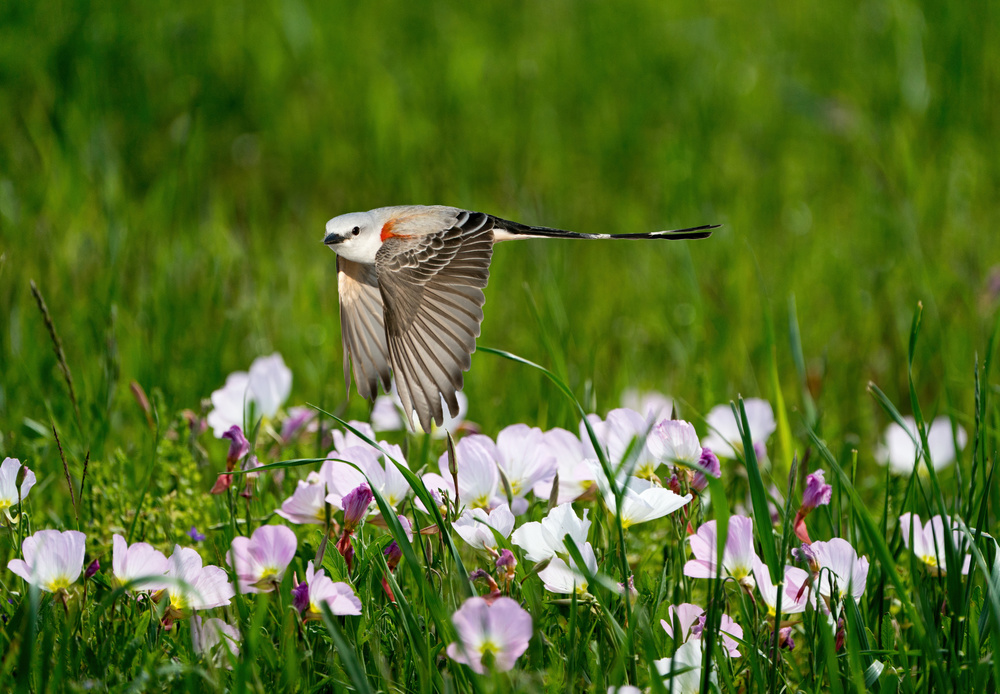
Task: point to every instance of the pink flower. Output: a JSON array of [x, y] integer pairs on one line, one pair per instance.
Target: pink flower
[[264, 390], [193, 586], [476, 527], [738, 557], [308, 503], [356, 505], [691, 619], [9, 492], [139, 564], [840, 569], [52, 561], [793, 599], [817, 493], [208, 636], [260, 561], [383, 476], [501, 630], [928, 542], [321, 590]]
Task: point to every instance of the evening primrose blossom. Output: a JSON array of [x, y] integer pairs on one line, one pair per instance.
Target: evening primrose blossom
[[575, 474], [308, 503], [191, 586], [724, 433], [318, 589], [927, 542], [691, 619], [207, 636], [476, 526], [525, 461], [683, 673], [793, 598], [565, 577], [545, 540], [53, 560], [478, 478], [901, 447], [265, 388], [260, 560], [139, 564], [9, 492], [839, 569], [491, 635], [738, 557]]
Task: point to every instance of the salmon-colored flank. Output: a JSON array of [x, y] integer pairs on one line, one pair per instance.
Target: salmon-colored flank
[[387, 231]]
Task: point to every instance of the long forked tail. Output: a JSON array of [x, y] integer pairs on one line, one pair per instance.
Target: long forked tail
[[524, 231]]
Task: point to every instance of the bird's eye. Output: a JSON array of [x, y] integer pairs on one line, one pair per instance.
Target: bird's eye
[[356, 230]]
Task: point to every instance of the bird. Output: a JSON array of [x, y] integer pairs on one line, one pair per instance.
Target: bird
[[411, 280]]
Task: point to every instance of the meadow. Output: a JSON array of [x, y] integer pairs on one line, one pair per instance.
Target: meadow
[[166, 170]]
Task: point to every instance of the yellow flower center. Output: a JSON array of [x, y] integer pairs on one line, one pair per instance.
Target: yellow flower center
[[5, 504], [481, 501], [57, 584], [929, 559]]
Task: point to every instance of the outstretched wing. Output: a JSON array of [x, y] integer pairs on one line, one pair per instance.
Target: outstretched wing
[[432, 288], [362, 328]]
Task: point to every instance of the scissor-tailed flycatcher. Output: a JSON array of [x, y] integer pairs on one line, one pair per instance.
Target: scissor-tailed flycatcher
[[411, 282]]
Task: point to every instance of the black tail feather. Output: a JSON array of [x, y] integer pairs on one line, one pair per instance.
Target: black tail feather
[[699, 232]]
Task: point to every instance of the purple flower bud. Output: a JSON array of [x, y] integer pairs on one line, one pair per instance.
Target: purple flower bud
[[195, 535], [478, 574], [710, 462], [785, 639], [92, 568], [393, 554], [817, 492], [506, 561], [300, 597], [356, 504], [699, 626], [238, 447]]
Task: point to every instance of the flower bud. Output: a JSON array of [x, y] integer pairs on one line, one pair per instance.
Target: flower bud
[[710, 462], [393, 555], [356, 504], [92, 568], [817, 492], [300, 597], [238, 447]]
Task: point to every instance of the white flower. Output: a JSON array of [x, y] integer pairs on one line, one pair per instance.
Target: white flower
[[525, 461], [928, 541], [385, 414], [544, 540], [193, 586], [139, 563], [724, 435], [52, 561], [208, 635], [476, 527], [682, 673], [478, 479], [900, 451], [622, 436], [653, 405], [575, 474], [8, 483], [565, 577], [675, 441], [840, 569], [641, 500], [265, 389]]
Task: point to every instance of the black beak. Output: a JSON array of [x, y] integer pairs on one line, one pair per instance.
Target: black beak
[[332, 239]]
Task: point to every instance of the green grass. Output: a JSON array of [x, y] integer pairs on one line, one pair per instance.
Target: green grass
[[167, 169]]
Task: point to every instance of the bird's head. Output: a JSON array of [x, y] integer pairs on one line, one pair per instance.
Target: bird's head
[[355, 236]]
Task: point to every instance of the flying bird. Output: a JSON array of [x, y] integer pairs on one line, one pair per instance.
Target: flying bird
[[411, 282]]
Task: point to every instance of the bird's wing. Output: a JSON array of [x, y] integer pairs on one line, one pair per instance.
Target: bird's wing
[[432, 288], [362, 327]]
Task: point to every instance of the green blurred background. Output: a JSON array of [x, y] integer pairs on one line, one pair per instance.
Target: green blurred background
[[166, 170]]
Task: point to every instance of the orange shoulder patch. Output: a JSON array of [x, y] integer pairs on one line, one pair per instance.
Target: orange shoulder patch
[[387, 230]]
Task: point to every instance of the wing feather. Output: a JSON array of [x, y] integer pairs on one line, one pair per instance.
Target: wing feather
[[362, 327], [432, 290]]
